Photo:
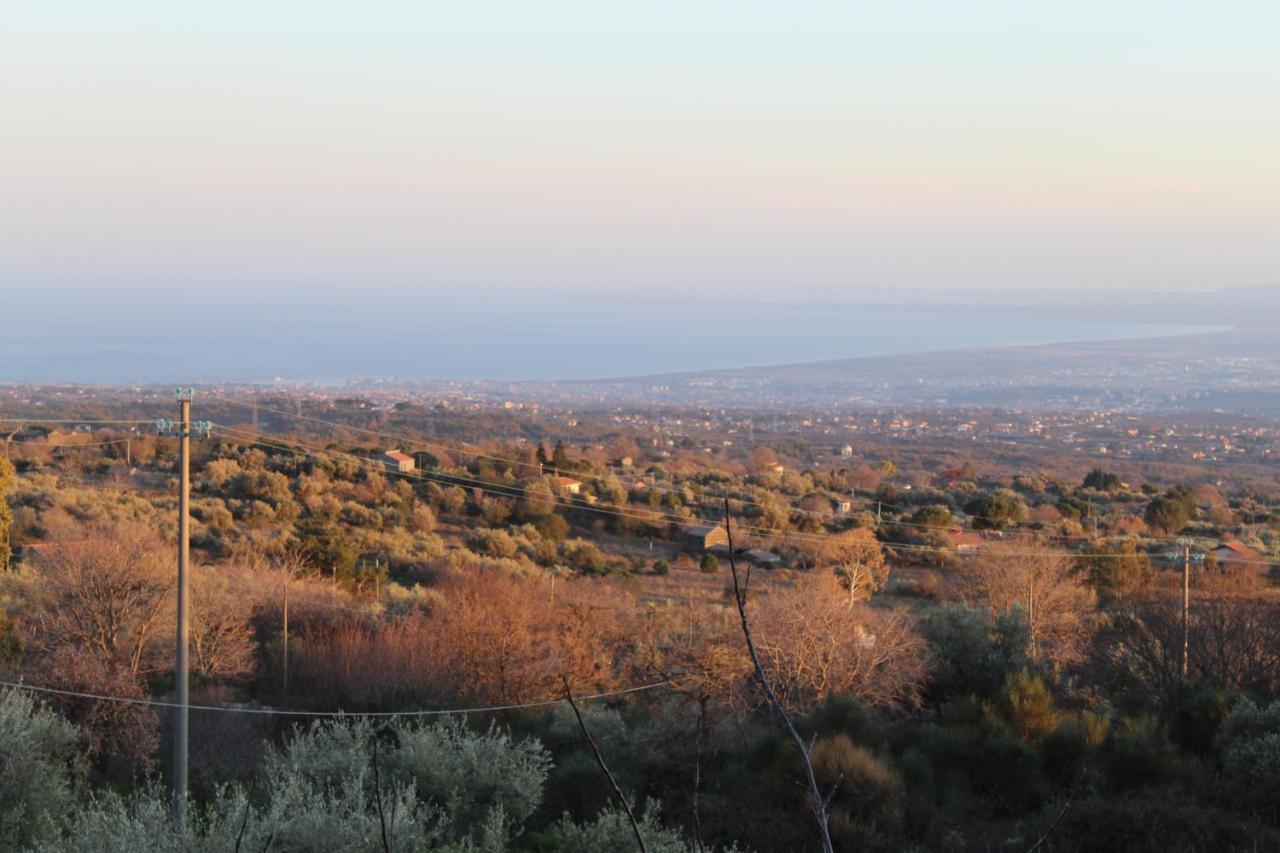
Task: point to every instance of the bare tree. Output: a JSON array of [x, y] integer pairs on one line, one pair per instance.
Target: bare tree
[[221, 634], [109, 591], [1046, 585], [858, 561], [1234, 643], [816, 645]]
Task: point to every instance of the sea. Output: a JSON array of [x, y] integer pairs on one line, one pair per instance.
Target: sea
[[505, 339]]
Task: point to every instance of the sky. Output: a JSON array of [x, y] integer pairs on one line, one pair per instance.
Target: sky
[[332, 152]]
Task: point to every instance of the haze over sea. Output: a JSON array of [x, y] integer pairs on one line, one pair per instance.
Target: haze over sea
[[509, 339]]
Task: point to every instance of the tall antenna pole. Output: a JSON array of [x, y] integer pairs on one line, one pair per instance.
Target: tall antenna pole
[[181, 663]]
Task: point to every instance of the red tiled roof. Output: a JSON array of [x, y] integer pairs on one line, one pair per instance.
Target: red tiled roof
[[1241, 550]]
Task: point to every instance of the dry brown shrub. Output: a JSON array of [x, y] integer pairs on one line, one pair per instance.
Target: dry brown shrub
[[491, 639], [697, 646], [109, 730], [356, 666], [508, 639]]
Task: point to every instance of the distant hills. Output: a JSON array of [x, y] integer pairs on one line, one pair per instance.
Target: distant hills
[[1236, 370]]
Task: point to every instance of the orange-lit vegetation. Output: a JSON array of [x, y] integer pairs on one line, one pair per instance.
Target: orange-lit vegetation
[[969, 664]]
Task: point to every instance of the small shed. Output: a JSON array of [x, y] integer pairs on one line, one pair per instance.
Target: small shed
[[762, 558], [704, 537]]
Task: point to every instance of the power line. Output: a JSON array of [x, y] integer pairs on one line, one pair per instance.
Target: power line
[[288, 712], [71, 421], [74, 444]]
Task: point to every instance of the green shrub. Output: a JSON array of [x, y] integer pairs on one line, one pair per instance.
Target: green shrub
[[302, 814], [1253, 766], [1139, 755], [1065, 751], [1156, 824], [1248, 720], [1026, 706], [1196, 718], [1009, 774], [472, 775], [1249, 742], [491, 543], [611, 832], [838, 715], [474, 780], [973, 653], [40, 762]]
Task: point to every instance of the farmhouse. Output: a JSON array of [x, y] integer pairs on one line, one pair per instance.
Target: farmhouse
[[397, 462], [1236, 556], [704, 537], [966, 541]]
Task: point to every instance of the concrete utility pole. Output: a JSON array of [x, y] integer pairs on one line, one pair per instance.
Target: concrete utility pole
[[181, 677]]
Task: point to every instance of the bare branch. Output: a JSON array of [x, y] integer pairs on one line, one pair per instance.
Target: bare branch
[[834, 788], [1044, 836], [697, 772], [739, 596], [244, 821], [631, 816], [377, 792]]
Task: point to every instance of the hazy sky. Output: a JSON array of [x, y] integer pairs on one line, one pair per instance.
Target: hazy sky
[[364, 149]]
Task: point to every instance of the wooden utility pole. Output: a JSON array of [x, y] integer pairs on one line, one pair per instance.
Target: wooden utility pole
[[1187, 559], [1031, 608], [1186, 608], [284, 663]]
